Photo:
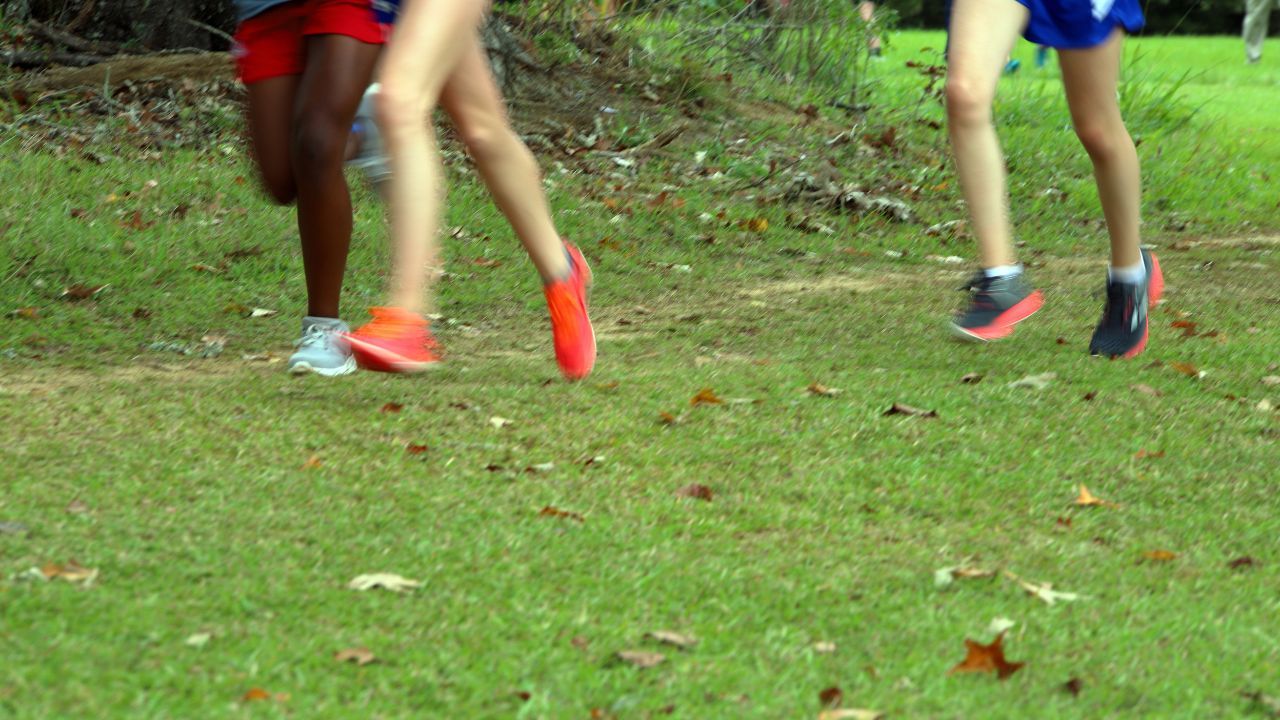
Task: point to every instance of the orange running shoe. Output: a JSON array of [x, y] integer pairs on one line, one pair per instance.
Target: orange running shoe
[[396, 341], [575, 340]]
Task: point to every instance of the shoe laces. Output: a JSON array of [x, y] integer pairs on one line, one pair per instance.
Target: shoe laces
[[1118, 305], [317, 336]]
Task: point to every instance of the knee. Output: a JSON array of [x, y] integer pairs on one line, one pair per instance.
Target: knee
[[318, 144], [967, 104], [399, 109], [1100, 140], [280, 190], [485, 141]]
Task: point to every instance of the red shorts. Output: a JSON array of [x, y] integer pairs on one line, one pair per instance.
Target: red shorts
[[273, 43]]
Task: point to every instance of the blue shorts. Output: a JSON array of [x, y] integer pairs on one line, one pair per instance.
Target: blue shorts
[[1079, 24], [1076, 24]]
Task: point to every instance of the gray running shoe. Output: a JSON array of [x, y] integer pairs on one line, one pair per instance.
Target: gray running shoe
[[322, 349], [996, 305], [1122, 331], [371, 158]]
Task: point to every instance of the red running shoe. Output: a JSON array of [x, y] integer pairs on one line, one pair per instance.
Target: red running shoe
[[396, 341], [575, 340]]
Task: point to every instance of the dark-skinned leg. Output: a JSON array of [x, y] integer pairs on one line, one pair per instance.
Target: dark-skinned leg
[[270, 121], [337, 72]]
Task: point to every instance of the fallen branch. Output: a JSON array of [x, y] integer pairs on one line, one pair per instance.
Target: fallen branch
[[72, 42], [29, 60], [211, 30]]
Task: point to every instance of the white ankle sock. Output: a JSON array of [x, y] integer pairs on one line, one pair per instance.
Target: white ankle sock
[[1132, 274], [1002, 270]]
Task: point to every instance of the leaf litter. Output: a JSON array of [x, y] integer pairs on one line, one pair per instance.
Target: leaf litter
[[990, 658], [675, 639], [384, 581]]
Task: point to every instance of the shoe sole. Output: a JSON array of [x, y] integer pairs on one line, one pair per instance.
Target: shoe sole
[[379, 359], [1004, 323], [305, 368]]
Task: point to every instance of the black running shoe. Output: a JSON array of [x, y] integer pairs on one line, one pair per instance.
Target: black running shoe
[[996, 305], [1122, 331]]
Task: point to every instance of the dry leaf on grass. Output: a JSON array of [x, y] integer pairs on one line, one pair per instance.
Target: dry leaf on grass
[[1187, 369], [415, 448], [312, 463], [972, 378], [706, 396], [499, 422], [1088, 499], [81, 292], [385, 581], [1241, 563], [1044, 591], [392, 407], [641, 659], [821, 390], [666, 637], [555, 512], [824, 647], [696, 491], [1073, 686], [71, 571], [903, 409], [1271, 380], [945, 577], [77, 507], [358, 655], [1035, 382], [1147, 390], [1160, 555], [198, 640], [831, 697], [986, 658], [850, 714], [258, 695]]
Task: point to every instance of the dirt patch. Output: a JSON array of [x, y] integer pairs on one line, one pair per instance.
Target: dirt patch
[[42, 381], [175, 70], [826, 285]]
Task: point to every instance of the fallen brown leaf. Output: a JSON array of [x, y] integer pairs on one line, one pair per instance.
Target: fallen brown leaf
[[1241, 563], [312, 463], [641, 659], [1143, 454], [359, 656], [706, 396], [26, 313], [986, 658], [1187, 369], [831, 697], [1090, 395], [71, 571], [1160, 555], [972, 378], [392, 407], [667, 418], [822, 390], [255, 694], [1073, 686], [81, 292], [415, 449], [696, 491], [901, 409], [666, 637], [206, 268], [555, 512]]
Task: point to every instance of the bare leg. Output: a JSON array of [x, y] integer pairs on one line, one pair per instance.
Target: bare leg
[[337, 71], [271, 129], [1090, 78], [430, 39], [982, 34], [868, 12], [509, 170]]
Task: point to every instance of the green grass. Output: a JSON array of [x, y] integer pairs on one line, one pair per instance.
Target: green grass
[[195, 499]]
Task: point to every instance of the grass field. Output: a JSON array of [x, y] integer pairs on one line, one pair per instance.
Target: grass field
[[225, 506]]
